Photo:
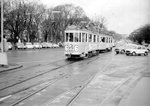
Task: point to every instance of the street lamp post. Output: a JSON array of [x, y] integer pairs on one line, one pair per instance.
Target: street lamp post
[[3, 55], [2, 42]]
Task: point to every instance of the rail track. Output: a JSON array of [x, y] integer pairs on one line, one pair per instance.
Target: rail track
[[50, 81], [33, 77], [47, 84], [78, 90]]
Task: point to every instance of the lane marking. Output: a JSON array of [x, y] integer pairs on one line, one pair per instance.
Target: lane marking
[[6, 97]]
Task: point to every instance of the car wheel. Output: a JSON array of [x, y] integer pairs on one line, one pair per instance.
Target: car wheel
[[117, 52], [127, 54], [145, 54], [133, 53]]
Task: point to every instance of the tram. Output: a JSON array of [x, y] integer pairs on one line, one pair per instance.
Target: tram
[[83, 43]]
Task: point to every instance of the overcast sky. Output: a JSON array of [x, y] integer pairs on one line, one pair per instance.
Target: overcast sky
[[123, 16]]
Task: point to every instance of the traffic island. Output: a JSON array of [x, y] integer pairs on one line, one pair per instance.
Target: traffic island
[[3, 59]]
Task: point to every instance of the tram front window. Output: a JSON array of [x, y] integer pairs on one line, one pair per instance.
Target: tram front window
[[71, 37], [76, 37], [103, 39], [90, 37], [67, 35]]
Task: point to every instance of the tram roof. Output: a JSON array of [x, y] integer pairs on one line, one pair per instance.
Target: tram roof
[[74, 27], [79, 28]]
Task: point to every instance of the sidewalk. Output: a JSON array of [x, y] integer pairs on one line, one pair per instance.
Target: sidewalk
[[140, 95], [10, 66]]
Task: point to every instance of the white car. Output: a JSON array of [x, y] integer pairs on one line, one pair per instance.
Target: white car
[[44, 45], [29, 45], [49, 45], [120, 50], [21, 46], [37, 45], [55, 45], [137, 51], [9, 45]]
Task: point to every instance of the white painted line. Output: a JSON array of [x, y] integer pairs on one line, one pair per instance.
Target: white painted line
[[1, 99]]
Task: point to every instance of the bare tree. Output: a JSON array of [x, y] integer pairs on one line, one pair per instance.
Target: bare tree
[[15, 19], [100, 22], [69, 15], [34, 14], [141, 34]]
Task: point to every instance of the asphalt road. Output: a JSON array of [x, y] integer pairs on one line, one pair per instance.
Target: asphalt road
[[35, 56], [115, 77]]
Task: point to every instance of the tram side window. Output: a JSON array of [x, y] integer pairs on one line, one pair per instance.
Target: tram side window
[[90, 37], [97, 38], [107, 40], [71, 37], [110, 40], [100, 39], [76, 37], [83, 34], [103, 39], [79, 37], [86, 37], [94, 38]]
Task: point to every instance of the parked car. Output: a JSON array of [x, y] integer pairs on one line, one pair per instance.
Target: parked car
[[37, 45], [49, 45], [55, 45], [21, 46], [44, 45], [29, 45], [9, 45], [137, 51], [60, 44]]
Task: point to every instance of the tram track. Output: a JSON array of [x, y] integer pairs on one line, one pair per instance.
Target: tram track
[[80, 90], [20, 82], [68, 100], [36, 65], [33, 77], [76, 91], [36, 91], [126, 80], [44, 87], [47, 85]]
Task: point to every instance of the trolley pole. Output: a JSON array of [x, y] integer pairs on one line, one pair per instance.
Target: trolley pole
[[3, 55]]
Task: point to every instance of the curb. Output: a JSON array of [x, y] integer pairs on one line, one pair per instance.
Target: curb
[[12, 68]]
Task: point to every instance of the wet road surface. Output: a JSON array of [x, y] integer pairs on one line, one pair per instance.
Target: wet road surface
[[113, 78]]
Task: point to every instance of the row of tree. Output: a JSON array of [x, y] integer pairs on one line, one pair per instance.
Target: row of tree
[[31, 21], [141, 35]]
